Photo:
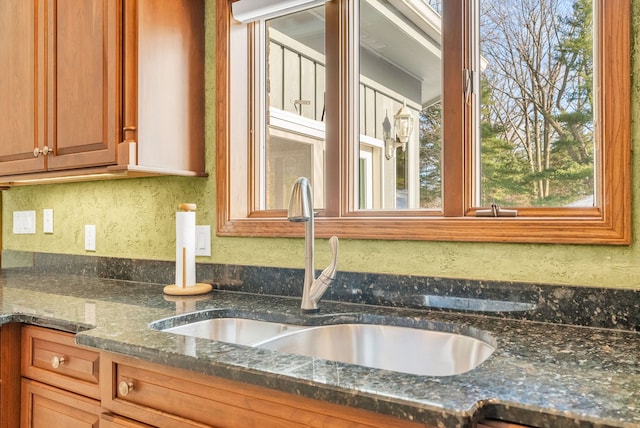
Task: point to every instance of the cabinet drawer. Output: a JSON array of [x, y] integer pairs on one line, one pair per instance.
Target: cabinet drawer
[[44, 405], [164, 396], [161, 399], [52, 357]]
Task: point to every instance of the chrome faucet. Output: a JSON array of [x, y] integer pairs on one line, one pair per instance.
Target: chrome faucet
[[301, 209]]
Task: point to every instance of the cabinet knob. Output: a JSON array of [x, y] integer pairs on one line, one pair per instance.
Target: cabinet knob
[[57, 361], [43, 151], [125, 387]]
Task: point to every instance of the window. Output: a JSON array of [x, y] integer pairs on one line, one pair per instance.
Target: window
[[315, 93]]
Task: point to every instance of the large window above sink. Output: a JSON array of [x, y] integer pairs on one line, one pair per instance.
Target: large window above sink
[[518, 107]]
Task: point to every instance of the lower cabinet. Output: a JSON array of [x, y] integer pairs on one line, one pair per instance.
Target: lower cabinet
[[45, 406], [60, 381]]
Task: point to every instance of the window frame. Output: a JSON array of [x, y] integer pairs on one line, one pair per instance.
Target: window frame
[[608, 223]]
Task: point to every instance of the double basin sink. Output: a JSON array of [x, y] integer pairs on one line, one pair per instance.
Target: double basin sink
[[402, 349]]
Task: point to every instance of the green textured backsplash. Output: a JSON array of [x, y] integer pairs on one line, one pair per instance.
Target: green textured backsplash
[[135, 218]]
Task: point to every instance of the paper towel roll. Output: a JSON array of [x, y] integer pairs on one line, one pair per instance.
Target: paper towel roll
[[185, 249]]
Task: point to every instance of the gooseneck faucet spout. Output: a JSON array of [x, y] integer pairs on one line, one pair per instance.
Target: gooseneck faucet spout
[[301, 209]]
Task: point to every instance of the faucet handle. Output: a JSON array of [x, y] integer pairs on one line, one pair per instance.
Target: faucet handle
[[327, 276], [333, 243]]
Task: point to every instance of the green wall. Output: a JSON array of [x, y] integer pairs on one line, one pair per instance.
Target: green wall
[[135, 219]]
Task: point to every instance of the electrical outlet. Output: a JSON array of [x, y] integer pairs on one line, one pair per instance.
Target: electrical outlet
[[90, 237], [47, 220], [203, 240]]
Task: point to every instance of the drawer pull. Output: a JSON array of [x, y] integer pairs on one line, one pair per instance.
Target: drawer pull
[[125, 387], [56, 361]]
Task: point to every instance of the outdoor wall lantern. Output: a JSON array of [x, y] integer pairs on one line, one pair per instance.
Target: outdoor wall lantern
[[403, 127]]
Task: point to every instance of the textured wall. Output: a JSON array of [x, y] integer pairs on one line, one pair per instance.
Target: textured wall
[[135, 218]]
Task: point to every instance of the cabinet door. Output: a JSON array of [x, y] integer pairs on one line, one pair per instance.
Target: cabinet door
[[44, 406], [22, 98], [83, 60]]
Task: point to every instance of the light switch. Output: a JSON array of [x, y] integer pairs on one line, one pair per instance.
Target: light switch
[[47, 220], [90, 237], [203, 240]]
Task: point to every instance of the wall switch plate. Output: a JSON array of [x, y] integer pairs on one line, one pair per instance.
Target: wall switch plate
[[24, 222], [203, 240], [90, 237], [47, 220]]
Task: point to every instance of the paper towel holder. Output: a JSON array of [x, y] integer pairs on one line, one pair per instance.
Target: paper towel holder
[[194, 289]]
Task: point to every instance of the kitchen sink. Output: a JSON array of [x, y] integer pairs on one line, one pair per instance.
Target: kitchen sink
[[387, 347], [401, 349], [242, 331]]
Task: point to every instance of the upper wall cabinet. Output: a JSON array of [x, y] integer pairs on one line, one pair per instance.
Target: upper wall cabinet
[[101, 88]]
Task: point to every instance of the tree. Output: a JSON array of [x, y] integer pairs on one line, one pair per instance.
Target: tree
[[538, 78], [431, 156], [504, 171]]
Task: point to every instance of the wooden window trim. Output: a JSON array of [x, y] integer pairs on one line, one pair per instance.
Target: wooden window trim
[[609, 225]]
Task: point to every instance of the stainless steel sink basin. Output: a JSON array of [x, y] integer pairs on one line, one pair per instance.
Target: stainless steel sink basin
[[242, 331], [402, 349]]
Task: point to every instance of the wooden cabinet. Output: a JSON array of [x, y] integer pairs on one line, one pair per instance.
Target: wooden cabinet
[[9, 375], [44, 406], [161, 396], [21, 87], [60, 384], [60, 95], [101, 88]]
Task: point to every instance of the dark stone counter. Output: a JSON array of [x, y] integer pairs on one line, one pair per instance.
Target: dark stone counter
[[543, 374]]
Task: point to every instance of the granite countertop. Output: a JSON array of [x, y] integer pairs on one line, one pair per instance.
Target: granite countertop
[[548, 374]]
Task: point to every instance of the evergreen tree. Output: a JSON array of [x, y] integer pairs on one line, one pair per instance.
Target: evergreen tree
[[431, 156]]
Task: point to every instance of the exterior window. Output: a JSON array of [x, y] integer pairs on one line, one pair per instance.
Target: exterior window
[[536, 103], [293, 98], [423, 119]]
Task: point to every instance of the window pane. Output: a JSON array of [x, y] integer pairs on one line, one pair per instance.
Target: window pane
[[295, 85], [400, 65], [536, 126]]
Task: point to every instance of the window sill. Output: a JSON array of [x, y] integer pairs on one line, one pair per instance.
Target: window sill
[[463, 229]]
